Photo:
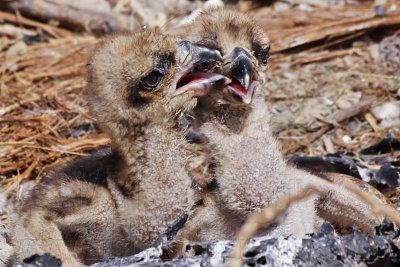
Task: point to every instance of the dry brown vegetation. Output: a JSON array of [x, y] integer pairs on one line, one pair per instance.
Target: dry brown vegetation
[[329, 66]]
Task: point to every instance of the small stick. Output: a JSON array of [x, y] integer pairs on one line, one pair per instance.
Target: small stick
[[53, 31], [377, 208], [18, 104], [69, 16], [372, 121], [257, 220], [345, 114], [57, 150], [16, 143]]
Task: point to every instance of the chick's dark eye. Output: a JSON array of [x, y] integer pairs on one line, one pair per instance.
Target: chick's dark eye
[[261, 52], [152, 79]]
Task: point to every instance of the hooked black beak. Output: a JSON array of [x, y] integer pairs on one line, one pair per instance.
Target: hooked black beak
[[238, 66], [195, 63], [241, 67]]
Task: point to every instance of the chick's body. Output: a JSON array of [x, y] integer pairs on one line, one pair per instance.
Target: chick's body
[[250, 171], [117, 202], [253, 174]]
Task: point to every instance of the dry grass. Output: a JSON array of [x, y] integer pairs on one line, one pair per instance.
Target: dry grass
[[44, 114]]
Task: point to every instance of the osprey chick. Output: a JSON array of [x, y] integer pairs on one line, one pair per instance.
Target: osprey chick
[[117, 202]]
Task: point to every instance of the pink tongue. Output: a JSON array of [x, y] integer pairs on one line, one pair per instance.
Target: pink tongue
[[201, 90], [193, 77], [238, 87], [199, 76]]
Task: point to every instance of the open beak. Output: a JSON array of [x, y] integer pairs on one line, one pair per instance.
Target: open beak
[[239, 67], [194, 76]]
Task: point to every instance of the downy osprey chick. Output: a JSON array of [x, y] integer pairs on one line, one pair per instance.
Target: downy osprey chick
[[117, 202], [249, 171]]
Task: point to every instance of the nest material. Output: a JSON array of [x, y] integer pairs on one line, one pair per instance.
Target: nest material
[[329, 66]]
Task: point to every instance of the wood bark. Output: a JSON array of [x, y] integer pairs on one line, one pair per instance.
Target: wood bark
[[68, 16]]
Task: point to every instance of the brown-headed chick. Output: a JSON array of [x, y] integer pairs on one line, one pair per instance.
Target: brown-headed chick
[[118, 201]]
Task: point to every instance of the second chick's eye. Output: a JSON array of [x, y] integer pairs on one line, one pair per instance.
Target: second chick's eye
[[261, 52], [151, 81]]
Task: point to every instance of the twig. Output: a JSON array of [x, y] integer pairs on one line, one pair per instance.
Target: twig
[[15, 182], [308, 57], [57, 150], [372, 121], [340, 40], [267, 215], [66, 72], [344, 114], [257, 220], [16, 143], [69, 16], [53, 31], [304, 142], [377, 208], [18, 104], [330, 30], [14, 31]]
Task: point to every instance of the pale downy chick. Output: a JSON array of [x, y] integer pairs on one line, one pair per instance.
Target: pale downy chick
[[117, 202], [251, 172]]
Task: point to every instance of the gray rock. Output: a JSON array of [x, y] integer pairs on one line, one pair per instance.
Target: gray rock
[[322, 249]]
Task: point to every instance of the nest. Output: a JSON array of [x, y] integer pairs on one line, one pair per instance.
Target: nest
[[343, 56]]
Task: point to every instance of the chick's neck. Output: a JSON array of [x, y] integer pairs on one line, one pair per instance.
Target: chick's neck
[[143, 149]]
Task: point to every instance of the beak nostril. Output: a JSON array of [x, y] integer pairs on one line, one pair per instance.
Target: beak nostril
[[198, 56], [187, 59], [226, 63]]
